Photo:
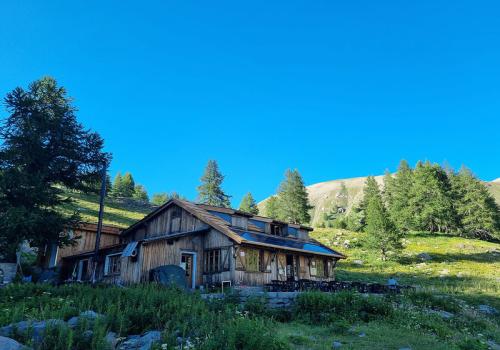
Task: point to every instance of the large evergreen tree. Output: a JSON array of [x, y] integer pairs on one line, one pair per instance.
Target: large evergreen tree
[[477, 211], [293, 202], [210, 191], [128, 185], [398, 193], [271, 207], [117, 190], [430, 199], [248, 204], [43, 150], [140, 193], [382, 235]]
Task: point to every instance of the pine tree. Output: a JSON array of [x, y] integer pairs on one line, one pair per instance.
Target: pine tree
[[293, 202], [399, 190], [271, 207], [388, 191], [159, 198], [210, 191], [248, 204], [140, 193], [370, 190], [43, 148], [128, 185], [117, 186], [382, 235], [477, 211], [430, 199]]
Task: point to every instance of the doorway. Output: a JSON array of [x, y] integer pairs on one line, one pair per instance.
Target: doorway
[[188, 263], [290, 267]]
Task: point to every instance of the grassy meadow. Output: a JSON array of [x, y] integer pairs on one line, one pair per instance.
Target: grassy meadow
[[121, 212], [442, 313]]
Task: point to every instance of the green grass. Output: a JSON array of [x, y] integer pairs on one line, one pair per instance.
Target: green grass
[[121, 212], [467, 268]]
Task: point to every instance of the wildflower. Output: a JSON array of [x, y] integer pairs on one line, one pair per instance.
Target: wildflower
[[164, 346]]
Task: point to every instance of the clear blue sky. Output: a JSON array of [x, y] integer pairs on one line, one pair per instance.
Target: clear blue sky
[[334, 88]]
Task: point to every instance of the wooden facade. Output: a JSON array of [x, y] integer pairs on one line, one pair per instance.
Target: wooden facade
[[216, 245], [85, 237]]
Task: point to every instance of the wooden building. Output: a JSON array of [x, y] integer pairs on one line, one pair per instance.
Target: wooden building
[[74, 261], [216, 245]]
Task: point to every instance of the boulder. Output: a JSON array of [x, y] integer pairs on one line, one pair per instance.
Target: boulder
[[11, 344], [486, 309], [424, 257], [144, 342], [37, 328], [89, 315], [336, 345], [358, 262], [111, 339]]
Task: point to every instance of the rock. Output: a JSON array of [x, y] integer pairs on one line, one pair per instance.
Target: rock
[[424, 257], [37, 328], [10, 344], [88, 335], [445, 314], [493, 345], [486, 309], [144, 342], [336, 345], [88, 315], [444, 273], [358, 262], [111, 339], [362, 335]]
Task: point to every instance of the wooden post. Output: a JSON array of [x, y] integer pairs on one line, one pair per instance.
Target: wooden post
[[99, 224]]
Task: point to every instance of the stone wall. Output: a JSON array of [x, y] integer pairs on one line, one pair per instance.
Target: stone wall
[[7, 273], [273, 299]]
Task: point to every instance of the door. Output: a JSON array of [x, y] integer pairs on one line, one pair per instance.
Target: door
[[290, 267], [187, 261]]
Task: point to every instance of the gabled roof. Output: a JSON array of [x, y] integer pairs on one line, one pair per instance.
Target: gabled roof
[[202, 212]]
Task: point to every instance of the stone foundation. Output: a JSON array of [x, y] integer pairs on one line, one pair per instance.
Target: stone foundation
[[7, 272]]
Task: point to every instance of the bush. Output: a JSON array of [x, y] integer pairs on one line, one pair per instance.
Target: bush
[[314, 307]]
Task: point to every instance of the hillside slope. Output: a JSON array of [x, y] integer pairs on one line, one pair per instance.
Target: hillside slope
[[324, 196], [121, 212]]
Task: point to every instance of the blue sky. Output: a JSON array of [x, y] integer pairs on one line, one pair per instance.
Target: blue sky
[[334, 89]]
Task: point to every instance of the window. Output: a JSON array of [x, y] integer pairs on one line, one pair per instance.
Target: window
[[318, 267], [175, 220], [212, 261], [239, 221], [112, 264], [253, 260], [276, 230]]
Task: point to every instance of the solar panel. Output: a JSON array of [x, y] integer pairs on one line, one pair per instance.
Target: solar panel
[[129, 248], [285, 243]]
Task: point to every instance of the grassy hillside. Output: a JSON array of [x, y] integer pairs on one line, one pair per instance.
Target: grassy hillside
[[324, 195], [121, 212], [460, 271]]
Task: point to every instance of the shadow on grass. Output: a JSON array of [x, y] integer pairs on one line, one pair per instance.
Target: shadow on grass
[[484, 257]]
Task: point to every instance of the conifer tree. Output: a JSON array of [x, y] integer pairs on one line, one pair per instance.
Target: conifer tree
[[210, 191], [248, 204], [140, 193], [430, 199], [117, 186], [388, 191], [159, 198], [128, 185], [382, 235], [43, 149], [477, 211], [271, 207], [370, 190], [399, 191], [293, 202]]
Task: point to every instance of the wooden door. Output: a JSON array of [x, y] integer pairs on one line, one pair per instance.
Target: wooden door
[[187, 264]]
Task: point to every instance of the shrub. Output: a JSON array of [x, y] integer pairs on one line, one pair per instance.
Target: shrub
[[316, 307]]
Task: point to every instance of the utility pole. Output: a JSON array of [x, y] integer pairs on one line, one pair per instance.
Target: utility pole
[[99, 224]]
